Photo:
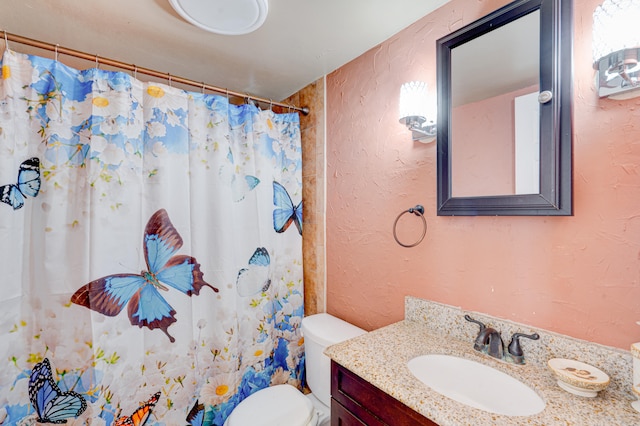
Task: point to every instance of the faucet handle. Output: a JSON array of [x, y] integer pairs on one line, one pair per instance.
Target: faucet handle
[[479, 343], [515, 350], [482, 326]]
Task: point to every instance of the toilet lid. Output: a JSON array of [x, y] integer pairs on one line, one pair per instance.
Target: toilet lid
[[281, 405]]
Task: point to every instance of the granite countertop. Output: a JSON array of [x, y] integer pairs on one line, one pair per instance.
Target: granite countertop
[[380, 357]]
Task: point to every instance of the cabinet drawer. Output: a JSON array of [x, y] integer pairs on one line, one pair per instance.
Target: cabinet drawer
[[340, 416], [368, 403]]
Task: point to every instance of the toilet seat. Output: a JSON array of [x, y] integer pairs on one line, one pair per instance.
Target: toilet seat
[[281, 405]]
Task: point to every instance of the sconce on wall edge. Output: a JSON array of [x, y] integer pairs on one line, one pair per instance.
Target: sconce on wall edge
[[616, 48], [414, 112]]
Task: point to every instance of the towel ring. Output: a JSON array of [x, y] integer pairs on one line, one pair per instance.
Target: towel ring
[[418, 210]]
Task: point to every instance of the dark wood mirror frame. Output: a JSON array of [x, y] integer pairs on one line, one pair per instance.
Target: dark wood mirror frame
[[555, 197]]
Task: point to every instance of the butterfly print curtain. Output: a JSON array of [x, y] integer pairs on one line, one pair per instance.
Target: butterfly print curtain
[[150, 249]]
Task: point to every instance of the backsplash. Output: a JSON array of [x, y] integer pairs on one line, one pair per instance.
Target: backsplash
[[449, 321]]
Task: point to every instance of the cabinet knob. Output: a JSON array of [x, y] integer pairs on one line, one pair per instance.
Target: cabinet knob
[[545, 96]]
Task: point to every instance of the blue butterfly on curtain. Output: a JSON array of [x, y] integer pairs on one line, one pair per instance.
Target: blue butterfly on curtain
[[240, 184], [51, 404], [255, 278], [285, 211], [142, 413], [28, 184], [146, 306], [196, 415]]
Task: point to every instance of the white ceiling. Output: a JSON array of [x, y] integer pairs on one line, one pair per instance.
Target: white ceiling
[[301, 40]]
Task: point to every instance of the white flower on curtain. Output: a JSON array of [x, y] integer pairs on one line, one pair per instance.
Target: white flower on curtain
[[99, 270]]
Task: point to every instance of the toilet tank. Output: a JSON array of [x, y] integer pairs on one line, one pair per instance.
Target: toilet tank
[[319, 332]]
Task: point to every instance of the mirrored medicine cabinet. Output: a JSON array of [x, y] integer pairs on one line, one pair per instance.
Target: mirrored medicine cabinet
[[504, 136]]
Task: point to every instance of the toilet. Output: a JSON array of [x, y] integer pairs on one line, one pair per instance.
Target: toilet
[[285, 405]]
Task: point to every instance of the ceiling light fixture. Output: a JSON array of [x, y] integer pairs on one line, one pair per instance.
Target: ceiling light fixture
[[228, 17]]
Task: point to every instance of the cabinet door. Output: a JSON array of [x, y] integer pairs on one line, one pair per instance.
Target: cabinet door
[[368, 403]]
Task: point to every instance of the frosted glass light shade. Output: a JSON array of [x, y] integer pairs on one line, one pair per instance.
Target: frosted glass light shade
[[615, 27], [228, 17], [413, 100], [415, 111]]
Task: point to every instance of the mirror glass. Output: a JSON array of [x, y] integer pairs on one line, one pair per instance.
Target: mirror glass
[[500, 150], [489, 97]]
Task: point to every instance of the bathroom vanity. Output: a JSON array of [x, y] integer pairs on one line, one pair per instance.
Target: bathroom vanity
[[354, 401], [372, 384]]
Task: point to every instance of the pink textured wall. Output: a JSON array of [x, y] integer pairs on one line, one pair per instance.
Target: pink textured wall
[[575, 275]]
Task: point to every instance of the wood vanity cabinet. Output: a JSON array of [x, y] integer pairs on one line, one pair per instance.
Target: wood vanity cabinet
[[356, 402]]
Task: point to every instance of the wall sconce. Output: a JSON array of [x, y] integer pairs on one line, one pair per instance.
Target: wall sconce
[[616, 48], [414, 111]]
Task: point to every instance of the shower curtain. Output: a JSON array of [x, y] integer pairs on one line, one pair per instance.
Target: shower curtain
[[150, 249]]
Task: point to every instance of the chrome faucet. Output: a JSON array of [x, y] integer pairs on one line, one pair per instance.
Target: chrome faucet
[[489, 341]]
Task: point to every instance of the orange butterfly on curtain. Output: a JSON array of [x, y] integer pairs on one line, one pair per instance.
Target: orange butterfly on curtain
[[140, 416]]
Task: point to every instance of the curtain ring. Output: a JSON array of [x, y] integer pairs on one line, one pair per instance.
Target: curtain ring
[[251, 102], [6, 41], [97, 62], [203, 87], [169, 80], [418, 210], [271, 105], [227, 94], [56, 52], [135, 71]]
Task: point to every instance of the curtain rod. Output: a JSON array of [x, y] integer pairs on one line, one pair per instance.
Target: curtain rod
[[129, 67]]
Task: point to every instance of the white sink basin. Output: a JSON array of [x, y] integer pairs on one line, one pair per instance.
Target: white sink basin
[[476, 385]]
